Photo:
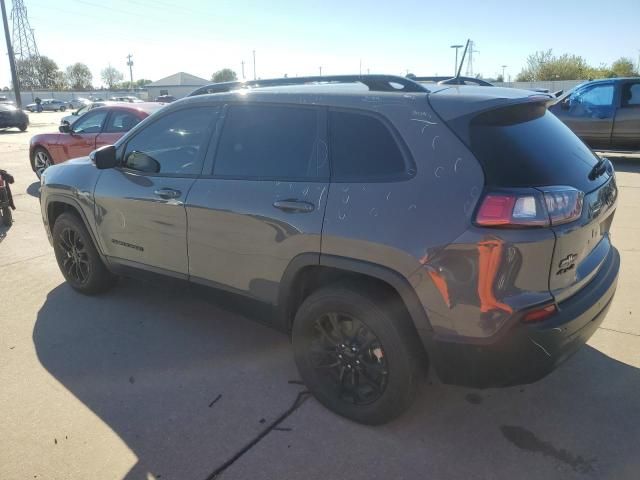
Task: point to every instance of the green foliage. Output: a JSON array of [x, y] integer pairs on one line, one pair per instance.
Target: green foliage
[[36, 72], [110, 76], [224, 75], [79, 76], [543, 65]]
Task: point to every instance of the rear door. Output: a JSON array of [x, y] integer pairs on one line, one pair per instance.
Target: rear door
[[140, 213], [262, 200], [120, 121], [81, 141], [590, 111], [626, 129]]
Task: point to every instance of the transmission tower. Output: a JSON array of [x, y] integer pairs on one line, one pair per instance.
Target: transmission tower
[[470, 53], [24, 46]]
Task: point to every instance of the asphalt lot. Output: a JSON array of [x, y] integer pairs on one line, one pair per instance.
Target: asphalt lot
[[154, 380]]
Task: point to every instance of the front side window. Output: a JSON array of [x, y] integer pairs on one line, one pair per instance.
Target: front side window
[[598, 96], [91, 122], [261, 141], [172, 145], [362, 147], [121, 122]]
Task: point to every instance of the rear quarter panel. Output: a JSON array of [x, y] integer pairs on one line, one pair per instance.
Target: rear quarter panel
[[402, 225]]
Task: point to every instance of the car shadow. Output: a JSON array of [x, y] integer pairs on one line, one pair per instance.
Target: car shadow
[[34, 189], [185, 385], [10, 131], [629, 165]]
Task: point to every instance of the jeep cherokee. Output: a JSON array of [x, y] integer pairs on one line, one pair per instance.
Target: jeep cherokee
[[389, 223]]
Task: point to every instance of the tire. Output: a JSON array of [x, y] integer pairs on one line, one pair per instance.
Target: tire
[[41, 161], [7, 216], [23, 127], [386, 365], [78, 258], [62, 109]]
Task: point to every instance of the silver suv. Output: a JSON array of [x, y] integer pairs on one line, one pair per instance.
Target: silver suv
[[389, 223]]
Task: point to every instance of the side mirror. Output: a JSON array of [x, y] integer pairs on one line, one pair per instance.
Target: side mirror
[[65, 128], [104, 157], [142, 162], [74, 113]]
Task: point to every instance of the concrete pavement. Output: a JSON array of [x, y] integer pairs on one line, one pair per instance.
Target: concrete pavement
[[155, 380]]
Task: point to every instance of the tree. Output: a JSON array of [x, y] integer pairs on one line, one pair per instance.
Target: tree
[[224, 75], [543, 65], [46, 72], [110, 76], [60, 82], [500, 78], [36, 72], [142, 82], [623, 67], [79, 76]]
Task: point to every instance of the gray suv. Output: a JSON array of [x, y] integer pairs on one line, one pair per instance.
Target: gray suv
[[389, 224]]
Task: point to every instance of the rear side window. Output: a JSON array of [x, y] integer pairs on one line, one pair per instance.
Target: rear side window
[[631, 95], [362, 147], [261, 141], [121, 122], [528, 146]]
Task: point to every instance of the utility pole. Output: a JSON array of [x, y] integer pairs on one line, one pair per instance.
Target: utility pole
[[360, 67], [503, 77], [320, 70], [130, 64], [12, 63], [254, 65], [242, 62], [455, 67]]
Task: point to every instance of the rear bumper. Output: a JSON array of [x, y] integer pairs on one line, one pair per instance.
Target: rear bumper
[[526, 353]]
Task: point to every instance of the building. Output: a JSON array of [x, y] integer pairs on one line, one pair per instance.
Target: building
[[179, 85]]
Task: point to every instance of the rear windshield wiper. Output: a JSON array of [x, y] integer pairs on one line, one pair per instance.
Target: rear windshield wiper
[[599, 168]]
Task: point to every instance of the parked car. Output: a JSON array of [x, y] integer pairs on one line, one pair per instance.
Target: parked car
[[388, 225], [101, 126], [11, 116], [165, 99], [70, 119], [126, 98], [5, 100], [604, 113], [78, 102], [48, 105]]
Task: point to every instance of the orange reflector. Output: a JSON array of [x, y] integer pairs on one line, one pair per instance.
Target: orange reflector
[[540, 314]]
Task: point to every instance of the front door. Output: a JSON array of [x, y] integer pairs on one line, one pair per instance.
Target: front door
[[626, 129], [263, 202], [139, 206], [590, 112], [81, 141]]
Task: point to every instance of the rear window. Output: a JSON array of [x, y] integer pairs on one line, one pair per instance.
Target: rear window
[[362, 147], [268, 142], [526, 145]]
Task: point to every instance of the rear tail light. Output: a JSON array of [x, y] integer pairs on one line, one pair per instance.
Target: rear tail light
[[530, 207]]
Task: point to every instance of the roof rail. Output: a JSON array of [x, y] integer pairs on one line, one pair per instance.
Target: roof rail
[[454, 80], [377, 83]]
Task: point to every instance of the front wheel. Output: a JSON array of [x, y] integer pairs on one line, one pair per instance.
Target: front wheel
[[7, 216], [23, 127], [78, 258], [356, 353], [62, 109]]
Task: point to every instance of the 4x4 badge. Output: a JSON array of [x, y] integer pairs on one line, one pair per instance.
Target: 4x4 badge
[[567, 263]]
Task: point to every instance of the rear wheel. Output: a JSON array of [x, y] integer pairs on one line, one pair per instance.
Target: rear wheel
[[357, 354], [23, 127], [41, 161], [62, 109], [78, 258], [7, 216]]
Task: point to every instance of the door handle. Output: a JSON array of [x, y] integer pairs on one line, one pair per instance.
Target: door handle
[[167, 193], [294, 206]]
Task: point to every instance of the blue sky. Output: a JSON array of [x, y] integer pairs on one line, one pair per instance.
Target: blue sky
[[298, 36]]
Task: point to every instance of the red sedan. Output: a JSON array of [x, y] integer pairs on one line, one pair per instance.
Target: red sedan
[[98, 127]]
